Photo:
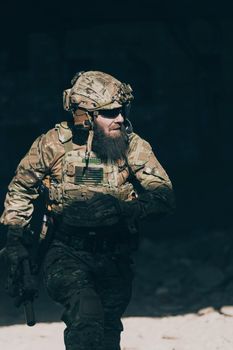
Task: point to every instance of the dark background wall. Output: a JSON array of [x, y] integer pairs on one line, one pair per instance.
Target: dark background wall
[[177, 57]]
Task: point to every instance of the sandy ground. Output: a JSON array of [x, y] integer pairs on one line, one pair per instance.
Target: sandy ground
[[190, 332]]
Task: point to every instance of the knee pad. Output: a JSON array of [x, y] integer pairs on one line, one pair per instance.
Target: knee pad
[[90, 306], [84, 307]]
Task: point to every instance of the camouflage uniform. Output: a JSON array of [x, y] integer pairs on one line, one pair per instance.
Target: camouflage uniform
[[88, 268]]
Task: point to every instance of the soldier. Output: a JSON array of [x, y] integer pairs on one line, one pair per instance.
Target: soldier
[[103, 177]]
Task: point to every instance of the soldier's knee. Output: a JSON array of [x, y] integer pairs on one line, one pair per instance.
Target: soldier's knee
[[85, 321], [85, 307]]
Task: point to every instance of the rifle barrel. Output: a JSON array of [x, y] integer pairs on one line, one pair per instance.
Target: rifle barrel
[[29, 313]]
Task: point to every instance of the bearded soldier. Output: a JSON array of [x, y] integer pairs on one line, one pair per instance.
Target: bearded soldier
[[102, 178]]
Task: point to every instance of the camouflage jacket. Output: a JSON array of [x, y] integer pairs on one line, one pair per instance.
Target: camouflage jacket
[[46, 157]]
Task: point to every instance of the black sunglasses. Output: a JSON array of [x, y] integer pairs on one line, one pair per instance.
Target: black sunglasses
[[111, 113]]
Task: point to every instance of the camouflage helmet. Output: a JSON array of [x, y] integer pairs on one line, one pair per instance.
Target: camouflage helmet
[[94, 90]]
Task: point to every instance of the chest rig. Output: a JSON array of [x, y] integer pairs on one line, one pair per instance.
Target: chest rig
[[83, 178]]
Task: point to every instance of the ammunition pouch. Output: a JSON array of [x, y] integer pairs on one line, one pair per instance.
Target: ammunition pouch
[[82, 192]]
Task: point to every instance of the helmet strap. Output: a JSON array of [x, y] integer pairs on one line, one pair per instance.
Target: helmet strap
[[85, 119], [88, 147]]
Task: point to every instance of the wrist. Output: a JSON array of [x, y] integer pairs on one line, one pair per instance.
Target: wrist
[[130, 209]]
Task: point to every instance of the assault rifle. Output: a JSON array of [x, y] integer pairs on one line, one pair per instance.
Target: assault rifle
[[22, 287], [26, 291], [21, 283]]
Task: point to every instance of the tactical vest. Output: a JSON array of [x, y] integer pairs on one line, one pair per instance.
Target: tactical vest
[[81, 181]]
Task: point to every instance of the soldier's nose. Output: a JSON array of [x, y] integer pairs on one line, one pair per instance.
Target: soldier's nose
[[119, 118]]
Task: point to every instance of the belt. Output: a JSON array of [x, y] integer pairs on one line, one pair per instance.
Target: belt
[[95, 240]]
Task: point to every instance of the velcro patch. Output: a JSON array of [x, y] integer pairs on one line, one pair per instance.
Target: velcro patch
[[90, 175]]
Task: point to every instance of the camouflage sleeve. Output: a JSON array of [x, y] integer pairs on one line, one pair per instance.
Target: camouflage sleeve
[[157, 196], [23, 188]]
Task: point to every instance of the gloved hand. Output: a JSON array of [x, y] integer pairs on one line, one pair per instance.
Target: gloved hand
[[15, 250], [105, 205]]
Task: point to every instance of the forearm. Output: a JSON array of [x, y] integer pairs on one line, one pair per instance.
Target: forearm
[[160, 201], [18, 204], [156, 195], [157, 202]]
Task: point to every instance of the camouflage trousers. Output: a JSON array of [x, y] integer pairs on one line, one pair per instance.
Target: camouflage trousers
[[94, 289]]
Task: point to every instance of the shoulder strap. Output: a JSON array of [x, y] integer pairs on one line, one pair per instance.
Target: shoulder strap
[[65, 136]]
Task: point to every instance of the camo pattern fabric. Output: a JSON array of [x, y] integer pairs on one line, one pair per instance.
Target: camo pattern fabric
[[94, 290], [46, 157], [94, 90]]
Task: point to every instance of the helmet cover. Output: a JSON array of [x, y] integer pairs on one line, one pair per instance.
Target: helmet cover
[[95, 90]]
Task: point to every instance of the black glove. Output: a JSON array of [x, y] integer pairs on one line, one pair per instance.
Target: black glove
[[15, 250], [105, 205]]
